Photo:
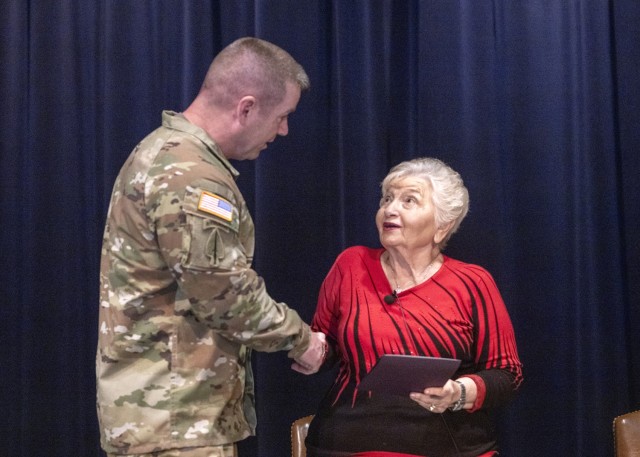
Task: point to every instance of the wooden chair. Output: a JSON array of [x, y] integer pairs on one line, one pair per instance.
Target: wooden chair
[[626, 434], [299, 430]]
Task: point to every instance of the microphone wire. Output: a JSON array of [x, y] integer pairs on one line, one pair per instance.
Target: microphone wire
[[404, 320]]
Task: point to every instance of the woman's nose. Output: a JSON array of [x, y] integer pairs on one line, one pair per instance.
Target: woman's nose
[[391, 208]]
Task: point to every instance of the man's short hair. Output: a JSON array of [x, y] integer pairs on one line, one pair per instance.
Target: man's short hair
[[251, 66]]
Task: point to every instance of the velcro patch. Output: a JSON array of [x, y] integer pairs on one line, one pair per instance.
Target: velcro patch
[[216, 205]]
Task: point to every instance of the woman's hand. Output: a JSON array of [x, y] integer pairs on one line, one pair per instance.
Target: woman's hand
[[438, 399]]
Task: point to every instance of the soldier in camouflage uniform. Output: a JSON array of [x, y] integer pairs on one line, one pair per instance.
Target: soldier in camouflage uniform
[[180, 307]]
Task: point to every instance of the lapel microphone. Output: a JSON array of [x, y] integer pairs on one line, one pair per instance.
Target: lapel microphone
[[391, 298]]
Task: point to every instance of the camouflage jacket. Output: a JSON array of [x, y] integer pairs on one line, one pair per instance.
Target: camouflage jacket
[[180, 306]]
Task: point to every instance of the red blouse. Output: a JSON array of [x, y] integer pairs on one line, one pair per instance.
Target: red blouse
[[457, 313]]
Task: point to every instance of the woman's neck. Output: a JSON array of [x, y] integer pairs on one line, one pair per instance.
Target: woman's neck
[[404, 273]]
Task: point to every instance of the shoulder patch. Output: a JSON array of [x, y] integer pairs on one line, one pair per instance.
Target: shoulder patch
[[214, 204]]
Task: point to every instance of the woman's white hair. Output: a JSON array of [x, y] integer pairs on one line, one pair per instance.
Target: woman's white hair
[[448, 193]]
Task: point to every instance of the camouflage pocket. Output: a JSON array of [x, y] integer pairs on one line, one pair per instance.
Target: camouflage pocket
[[210, 244], [211, 232]]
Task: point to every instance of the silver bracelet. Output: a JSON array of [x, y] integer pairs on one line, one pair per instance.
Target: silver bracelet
[[457, 406]]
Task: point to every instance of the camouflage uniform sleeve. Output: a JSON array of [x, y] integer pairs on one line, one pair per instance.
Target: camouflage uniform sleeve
[[205, 234]]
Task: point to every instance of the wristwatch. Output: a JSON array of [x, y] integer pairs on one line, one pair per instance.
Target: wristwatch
[[457, 406]]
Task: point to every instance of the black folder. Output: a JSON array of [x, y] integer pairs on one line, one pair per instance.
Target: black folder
[[401, 374]]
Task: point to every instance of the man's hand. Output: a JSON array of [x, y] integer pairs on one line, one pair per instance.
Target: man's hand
[[311, 360]]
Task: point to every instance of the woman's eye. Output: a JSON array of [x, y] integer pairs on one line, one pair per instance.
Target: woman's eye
[[385, 200]]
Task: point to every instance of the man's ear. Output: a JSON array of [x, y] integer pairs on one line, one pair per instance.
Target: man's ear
[[246, 107]]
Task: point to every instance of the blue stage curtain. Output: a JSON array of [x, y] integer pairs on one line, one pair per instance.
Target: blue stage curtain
[[535, 102]]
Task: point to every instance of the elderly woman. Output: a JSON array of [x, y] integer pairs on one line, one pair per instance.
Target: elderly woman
[[409, 298]]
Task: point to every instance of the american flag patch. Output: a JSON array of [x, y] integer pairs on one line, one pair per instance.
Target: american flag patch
[[216, 205]]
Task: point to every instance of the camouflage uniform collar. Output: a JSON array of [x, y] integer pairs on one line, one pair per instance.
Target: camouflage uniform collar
[[177, 121]]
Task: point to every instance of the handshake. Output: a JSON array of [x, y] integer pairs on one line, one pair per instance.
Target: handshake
[[315, 355]]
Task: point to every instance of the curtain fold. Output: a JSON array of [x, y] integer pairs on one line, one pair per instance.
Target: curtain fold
[[535, 103]]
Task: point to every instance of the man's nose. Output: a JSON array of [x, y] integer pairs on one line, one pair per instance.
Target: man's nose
[[283, 128]]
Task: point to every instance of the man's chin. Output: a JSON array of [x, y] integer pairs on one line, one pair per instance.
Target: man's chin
[[251, 155], [256, 153]]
